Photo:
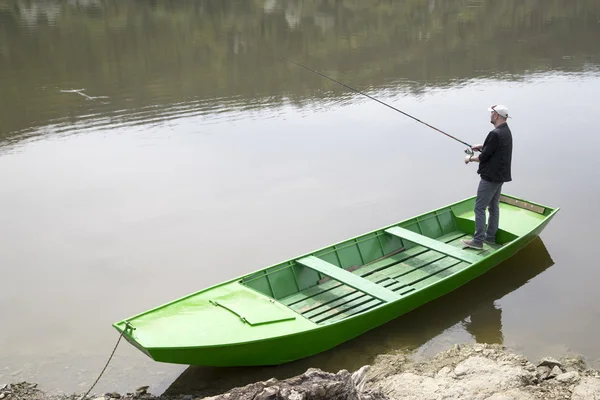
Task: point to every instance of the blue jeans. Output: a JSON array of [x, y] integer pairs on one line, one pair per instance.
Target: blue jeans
[[488, 196]]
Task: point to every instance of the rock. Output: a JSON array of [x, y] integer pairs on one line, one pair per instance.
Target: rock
[[319, 391], [359, 377], [514, 394], [555, 372], [188, 397], [500, 396], [474, 365], [294, 395], [443, 372], [2, 395], [385, 365], [314, 384], [373, 396], [588, 389], [476, 377], [269, 393], [549, 362], [141, 390], [568, 377], [113, 395], [530, 367], [4, 386], [573, 363], [543, 372]]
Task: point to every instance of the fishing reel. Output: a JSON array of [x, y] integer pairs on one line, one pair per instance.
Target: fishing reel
[[469, 151]]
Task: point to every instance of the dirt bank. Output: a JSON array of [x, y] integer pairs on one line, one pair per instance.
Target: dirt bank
[[485, 372]]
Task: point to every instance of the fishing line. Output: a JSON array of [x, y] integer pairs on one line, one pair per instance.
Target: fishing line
[[381, 102]]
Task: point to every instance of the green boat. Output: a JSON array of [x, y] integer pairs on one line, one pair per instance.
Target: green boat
[[314, 302]]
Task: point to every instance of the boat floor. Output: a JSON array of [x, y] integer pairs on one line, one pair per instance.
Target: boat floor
[[403, 272]]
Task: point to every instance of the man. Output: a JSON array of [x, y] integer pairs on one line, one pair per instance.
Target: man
[[494, 169]]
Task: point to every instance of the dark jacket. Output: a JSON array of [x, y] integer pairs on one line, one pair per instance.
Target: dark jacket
[[496, 155]]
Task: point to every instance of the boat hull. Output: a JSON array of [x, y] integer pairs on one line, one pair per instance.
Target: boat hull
[[283, 349]]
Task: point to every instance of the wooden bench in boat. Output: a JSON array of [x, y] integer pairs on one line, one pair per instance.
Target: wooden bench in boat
[[349, 279], [433, 244]]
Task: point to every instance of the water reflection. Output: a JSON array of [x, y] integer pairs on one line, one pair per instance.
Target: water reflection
[[164, 60], [485, 323], [471, 305]]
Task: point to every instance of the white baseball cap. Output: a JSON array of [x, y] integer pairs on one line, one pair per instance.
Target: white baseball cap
[[500, 109]]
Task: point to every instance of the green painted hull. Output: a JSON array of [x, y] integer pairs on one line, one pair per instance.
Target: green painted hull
[[248, 322]]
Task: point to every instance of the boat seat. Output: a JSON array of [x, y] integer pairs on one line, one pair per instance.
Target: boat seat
[[433, 244], [350, 279]]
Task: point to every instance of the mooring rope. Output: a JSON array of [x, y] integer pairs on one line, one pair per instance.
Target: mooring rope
[[108, 362]]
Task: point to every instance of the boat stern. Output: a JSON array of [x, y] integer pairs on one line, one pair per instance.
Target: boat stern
[[518, 217]]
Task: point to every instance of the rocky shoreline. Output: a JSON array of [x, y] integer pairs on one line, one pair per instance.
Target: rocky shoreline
[[479, 371]]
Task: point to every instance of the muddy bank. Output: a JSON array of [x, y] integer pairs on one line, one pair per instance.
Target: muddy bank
[[479, 371]]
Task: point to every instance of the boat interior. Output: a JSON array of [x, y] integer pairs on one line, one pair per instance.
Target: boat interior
[[359, 274]]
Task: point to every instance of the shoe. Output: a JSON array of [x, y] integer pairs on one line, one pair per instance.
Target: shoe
[[472, 244], [488, 241]]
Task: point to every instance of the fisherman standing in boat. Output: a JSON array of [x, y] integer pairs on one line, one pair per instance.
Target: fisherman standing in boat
[[494, 169]]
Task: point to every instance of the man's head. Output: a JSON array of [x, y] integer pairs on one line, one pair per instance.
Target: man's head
[[499, 114]]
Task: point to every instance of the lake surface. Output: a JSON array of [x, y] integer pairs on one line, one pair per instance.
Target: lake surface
[[149, 149]]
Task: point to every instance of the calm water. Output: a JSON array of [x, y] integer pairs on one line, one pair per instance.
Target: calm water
[[150, 149]]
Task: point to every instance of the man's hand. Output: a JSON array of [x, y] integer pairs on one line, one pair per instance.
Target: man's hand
[[473, 158], [477, 147]]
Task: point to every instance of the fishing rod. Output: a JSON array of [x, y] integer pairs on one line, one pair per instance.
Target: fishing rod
[[468, 151]]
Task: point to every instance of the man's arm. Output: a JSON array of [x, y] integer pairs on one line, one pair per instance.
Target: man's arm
[[473, 158], [491, 144]]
